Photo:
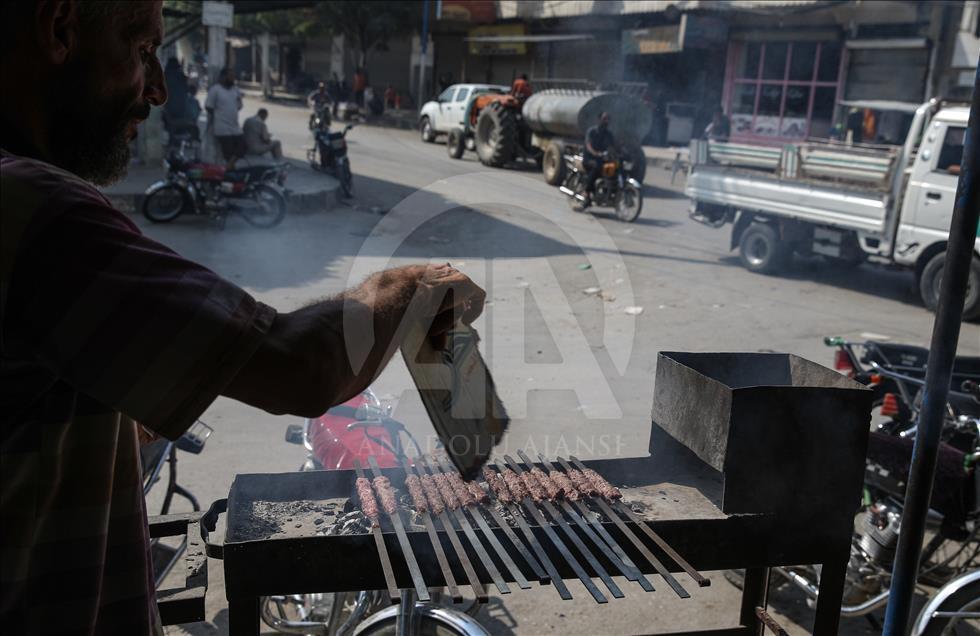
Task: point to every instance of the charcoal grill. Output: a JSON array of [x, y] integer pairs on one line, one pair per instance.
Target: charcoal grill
[[755, 461]]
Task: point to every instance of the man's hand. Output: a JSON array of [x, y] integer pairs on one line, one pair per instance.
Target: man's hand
[[306, 363]]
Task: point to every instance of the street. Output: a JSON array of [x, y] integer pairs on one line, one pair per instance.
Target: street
[[573, 356]]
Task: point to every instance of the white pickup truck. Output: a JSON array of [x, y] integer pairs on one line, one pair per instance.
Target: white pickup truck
[[850, 202]]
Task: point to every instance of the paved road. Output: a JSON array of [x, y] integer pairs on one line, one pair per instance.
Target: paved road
[[575, 369]]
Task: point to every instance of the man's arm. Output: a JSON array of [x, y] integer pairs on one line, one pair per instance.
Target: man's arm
[[304, 364], [209, 106], [588, 142]]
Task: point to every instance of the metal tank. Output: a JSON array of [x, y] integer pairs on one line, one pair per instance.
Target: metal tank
[[569, 113]]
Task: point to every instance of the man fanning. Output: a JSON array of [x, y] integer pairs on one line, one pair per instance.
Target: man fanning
[[103, 330]]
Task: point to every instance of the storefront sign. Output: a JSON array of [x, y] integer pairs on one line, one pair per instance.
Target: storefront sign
[[473, 11], [502, 39], [217, 14], [691, 32]]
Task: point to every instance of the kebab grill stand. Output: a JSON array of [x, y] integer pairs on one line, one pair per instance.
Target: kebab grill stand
[[759, 458]]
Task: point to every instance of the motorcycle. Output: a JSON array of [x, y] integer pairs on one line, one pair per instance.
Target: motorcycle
[[951, 557], [355, 430], [154, 457], [329, 151], [191, 186], [614, 187]]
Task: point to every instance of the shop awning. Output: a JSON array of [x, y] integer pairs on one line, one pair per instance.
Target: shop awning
[[555, 37]]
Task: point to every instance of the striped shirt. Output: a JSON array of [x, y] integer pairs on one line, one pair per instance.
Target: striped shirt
[[100, 328]]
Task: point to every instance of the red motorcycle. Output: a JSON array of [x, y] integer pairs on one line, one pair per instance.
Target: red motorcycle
[[191, 186]]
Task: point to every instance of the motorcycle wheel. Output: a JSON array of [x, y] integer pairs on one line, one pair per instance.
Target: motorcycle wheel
[[629, 204], [346, 180], [265, 208], [964, 600], [432, 621], [166, 204], [573, 183]]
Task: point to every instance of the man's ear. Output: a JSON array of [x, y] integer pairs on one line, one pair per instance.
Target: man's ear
[[56, 22]]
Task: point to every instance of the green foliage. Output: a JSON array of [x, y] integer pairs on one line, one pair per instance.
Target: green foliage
[[368, 25]]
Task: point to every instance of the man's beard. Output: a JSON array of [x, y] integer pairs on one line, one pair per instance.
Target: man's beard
[[89, 136]]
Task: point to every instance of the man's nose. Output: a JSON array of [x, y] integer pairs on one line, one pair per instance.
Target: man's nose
[[155, 89]]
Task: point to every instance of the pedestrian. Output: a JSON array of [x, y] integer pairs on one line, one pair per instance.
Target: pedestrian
[[390, 95], [360, 83], [175, 112], [720, 128], [223, 103], [258, 141], [106, 334]]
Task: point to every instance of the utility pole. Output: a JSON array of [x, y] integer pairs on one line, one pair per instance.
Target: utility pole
[[423, 47]]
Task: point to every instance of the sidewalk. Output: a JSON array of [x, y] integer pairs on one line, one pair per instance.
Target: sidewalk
[[308, 190]]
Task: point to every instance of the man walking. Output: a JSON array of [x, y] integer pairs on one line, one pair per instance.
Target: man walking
[[223, 103], [258, 141], [104, 331]]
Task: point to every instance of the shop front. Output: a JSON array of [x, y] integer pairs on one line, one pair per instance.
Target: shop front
[[783, 89]]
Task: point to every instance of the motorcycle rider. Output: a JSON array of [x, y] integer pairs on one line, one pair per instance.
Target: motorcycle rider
[[321, 101], [598, 140]]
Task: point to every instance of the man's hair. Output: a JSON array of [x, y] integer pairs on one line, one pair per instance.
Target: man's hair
[[263, 113]]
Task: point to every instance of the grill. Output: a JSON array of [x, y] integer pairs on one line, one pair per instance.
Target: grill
[[737, 477]]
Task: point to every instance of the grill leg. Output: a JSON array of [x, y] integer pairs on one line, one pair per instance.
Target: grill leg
[[243, 616], [829, 600], [755, 593]]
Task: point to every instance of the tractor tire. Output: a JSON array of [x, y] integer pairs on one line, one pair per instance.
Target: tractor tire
[[455, 143], [553, 164], [496, 135], [639, 161]]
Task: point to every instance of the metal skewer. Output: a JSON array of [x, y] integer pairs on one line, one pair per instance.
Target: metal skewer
[[413, 565], [447, 572], [530, 506], [464, 559], [539, 572], [657, 565], [505, 557], [635, 540], [582, 548], [607, 544], [481, 552], [556, 580], [379, 541]]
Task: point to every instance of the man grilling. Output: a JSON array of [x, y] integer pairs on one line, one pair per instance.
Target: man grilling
[[598, 140], [103, 330]]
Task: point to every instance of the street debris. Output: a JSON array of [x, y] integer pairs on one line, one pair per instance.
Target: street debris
[[633, 311]]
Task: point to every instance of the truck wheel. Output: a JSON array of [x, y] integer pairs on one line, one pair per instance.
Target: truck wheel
[[427, 131], [454, 143], [932, 276], [496, 135], [639, 161], [761, 250], [553, 164]]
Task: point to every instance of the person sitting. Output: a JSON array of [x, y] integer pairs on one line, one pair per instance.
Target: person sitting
[[258, 141], [390, 96], [521, 88], [598, 141], [720, 127]]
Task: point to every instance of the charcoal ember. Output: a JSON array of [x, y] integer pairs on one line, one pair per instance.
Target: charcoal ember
[[446, 491], [582, 483], [382, 485], [533, 486], [565, 484], [514, 483], [459, 489], [497, 485], [604, 488], [550, 487], [414, 487], [432, 494], [368, 504]]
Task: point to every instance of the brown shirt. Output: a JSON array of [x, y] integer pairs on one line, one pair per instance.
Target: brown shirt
[[100, 327]]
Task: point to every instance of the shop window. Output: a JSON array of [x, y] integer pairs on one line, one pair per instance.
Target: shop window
[[778, 88], [774, 61], [801, 62]]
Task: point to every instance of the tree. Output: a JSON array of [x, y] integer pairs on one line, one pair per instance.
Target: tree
[[368, 25]]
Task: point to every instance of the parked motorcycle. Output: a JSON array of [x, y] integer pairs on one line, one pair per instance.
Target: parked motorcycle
[[154, 457], [329, 151], [191, 186], [614, 186], [355, 430]]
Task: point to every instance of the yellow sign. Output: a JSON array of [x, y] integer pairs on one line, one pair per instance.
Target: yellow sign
[[498, 40]]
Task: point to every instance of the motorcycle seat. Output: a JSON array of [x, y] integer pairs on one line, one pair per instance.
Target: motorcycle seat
[[247, 173]]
